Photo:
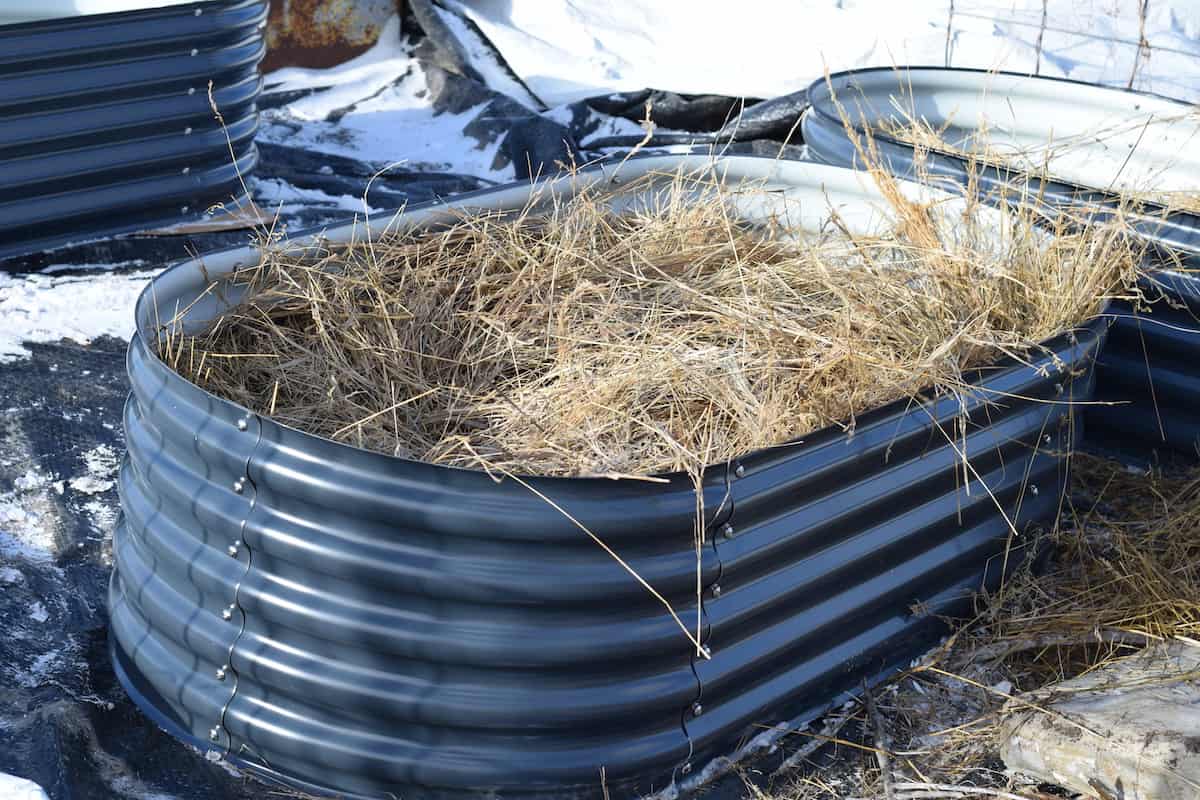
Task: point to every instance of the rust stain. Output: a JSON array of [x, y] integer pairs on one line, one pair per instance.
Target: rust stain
[[323, 33]]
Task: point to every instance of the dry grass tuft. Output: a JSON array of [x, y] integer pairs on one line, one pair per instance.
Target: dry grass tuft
[[1126, 571], [567, 339]]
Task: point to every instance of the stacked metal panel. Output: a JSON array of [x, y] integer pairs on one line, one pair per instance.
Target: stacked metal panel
[[106, 124]]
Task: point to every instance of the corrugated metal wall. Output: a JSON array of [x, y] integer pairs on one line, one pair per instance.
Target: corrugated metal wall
[[839, 553], [374, 625], [349, 620], [105, 121], [1148, 371]]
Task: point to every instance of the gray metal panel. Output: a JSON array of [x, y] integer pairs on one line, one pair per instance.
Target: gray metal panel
[[386, 626], [1147, 371], [105, 123], [834, 544]]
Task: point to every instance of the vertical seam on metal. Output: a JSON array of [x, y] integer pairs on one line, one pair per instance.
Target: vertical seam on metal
[[720, 522], [235, 549]]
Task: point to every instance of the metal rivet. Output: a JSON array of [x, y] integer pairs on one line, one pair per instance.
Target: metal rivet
[[727, 530], [239, 485], [199, 12], [233, 548], [704, 651], [716, 590], [221, 674], [1033, 490], [686, 769], [187, 131], [191, 90], [194, 51], [214, 734], [227, 613], [1046, 439], [185, 209], [242, 424], [740, 471], [697, 710], [185, 170]]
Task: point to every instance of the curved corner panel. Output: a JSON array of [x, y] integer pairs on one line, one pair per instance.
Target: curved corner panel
[[350, 622], [106, 125], [1017, 137], [1119, 142]]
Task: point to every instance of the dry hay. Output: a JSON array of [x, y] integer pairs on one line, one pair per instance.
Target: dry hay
[[1120, 570], [570, 340]]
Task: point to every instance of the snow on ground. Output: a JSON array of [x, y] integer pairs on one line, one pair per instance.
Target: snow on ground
[[277, 196], [762, 48], [14, 788], [379, 111], [102, 464], [43, 308], [89, 267], [29, 517], [484, 59]]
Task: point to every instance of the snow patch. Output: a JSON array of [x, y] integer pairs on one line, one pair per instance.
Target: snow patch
[[32, 479], [42, 667], [28, 524], [38, 612], [43, 308], [88, 267], [278, 196], [103, 515], [382, 121], [485, 61], [14, 788], [89, 484], [102, 461], [570, 51]]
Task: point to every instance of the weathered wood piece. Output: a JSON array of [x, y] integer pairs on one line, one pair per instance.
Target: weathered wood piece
[[1129, 730]]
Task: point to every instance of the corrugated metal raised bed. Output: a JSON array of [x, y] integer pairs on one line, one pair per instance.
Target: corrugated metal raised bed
[[1115, 149], [105, 121], [347, 620]]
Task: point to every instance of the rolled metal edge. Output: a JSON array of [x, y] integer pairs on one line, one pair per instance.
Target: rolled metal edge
[[371, 625]]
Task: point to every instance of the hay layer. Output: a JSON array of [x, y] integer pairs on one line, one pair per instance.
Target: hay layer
[[571, 340]]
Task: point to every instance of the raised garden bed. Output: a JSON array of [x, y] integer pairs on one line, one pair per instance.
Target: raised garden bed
[[346, 620]]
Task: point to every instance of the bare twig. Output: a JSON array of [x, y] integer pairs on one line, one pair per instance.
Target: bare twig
[[1037, 69], [881, 745], [1143, 46]]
